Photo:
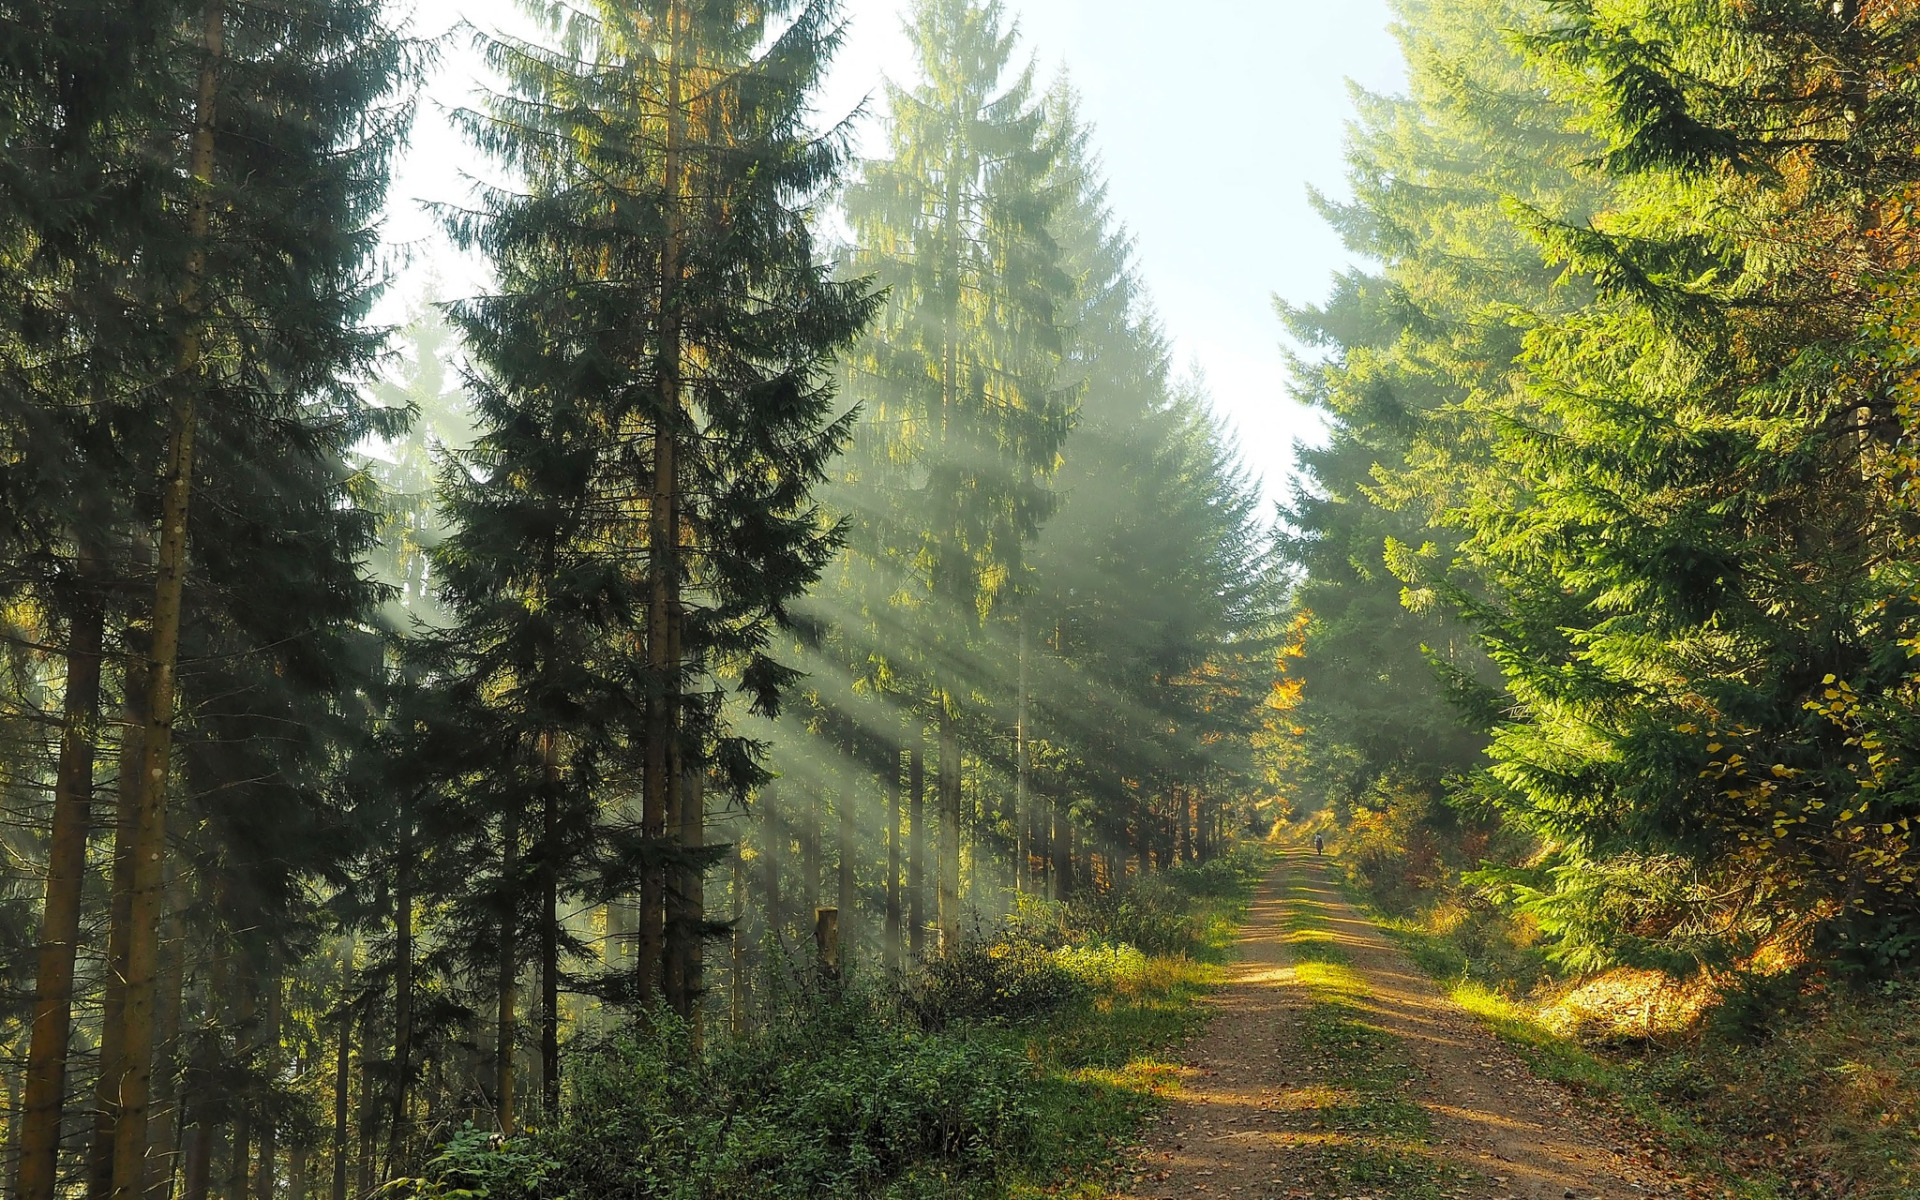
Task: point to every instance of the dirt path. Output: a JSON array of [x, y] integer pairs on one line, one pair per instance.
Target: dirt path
[[1334, 1068]]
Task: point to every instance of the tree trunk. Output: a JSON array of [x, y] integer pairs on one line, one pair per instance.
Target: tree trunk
[[917, 848], [550, 925], [775, 849], [264, 1178], [198, 1180], [46, 1077], [369, 1109], [241, 1149], [113, 1003], [507, 974], [810, 855], [1022, 816], [342, 1087], [1062, 840], [949, 788], [844, 881], [893, 859], [170, 1111], [692, 891], [662, 778], [1043, 841], [737, 975], [143, 945], [402, 999]]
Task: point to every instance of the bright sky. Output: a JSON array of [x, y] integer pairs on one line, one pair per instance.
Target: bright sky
[[1212, 117]]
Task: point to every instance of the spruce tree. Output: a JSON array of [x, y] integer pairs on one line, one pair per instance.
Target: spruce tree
[[654, 411]]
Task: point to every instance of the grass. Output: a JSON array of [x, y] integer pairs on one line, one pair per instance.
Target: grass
[[1106, 1063], [1105, 1066]]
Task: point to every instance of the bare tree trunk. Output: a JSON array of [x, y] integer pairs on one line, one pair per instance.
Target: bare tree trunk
[[342, 1091], [1062, 852], [1043, 840], [737, 976], [197, 1177], [1022, 804], [507, 973], [949, 785], [776, 845], [265, 1176], [113, 1003], [662, 775], [37, 1173], [402, 999], [550, 924], [844, 881], [369, 1109], [917, 848], [693, 904], [246, 1043], [893, 859], [198, 1180], [15, 1082], [170, 1110], [810, 854]]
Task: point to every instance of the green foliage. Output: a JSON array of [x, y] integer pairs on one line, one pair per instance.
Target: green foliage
[[1609, 465], [1004, 978], [971, 1074], [836, 1101]]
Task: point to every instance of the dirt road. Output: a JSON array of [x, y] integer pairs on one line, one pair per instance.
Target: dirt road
[[1334, 1068]]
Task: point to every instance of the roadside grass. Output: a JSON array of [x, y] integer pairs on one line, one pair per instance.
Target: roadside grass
[[1107, 1063]]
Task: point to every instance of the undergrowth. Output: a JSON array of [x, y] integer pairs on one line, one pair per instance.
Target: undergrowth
[[1803, 1084], [1017, 1066]]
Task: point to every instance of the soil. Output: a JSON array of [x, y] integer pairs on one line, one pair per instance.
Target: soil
[[1245, 1122]]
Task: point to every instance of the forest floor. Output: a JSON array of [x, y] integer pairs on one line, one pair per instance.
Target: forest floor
[[1334, 1067]]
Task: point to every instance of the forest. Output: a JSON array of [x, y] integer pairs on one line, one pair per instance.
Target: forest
[[791, 690]]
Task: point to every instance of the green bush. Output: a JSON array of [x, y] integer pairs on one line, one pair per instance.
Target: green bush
[[942, 1084], [1231, 876], [1007, 978], [842, 1103]]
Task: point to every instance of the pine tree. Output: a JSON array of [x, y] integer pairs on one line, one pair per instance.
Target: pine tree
[[654, 411]]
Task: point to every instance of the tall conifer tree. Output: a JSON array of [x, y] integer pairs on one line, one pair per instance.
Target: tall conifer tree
[[655, 410]]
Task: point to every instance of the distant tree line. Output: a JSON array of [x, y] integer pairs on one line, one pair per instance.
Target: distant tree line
[[377, 716]]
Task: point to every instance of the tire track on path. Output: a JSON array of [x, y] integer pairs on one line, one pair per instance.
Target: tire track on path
[[1334, 1068]]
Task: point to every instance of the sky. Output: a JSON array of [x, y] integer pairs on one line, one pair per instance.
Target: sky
[[1212, 118]]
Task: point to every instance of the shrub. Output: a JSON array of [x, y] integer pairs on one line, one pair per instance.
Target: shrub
[[840, 1104], [1101, 967], [1151, 916], [1008, 978]]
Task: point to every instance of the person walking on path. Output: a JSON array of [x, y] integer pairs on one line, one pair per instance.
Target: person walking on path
[[1319, 844]]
